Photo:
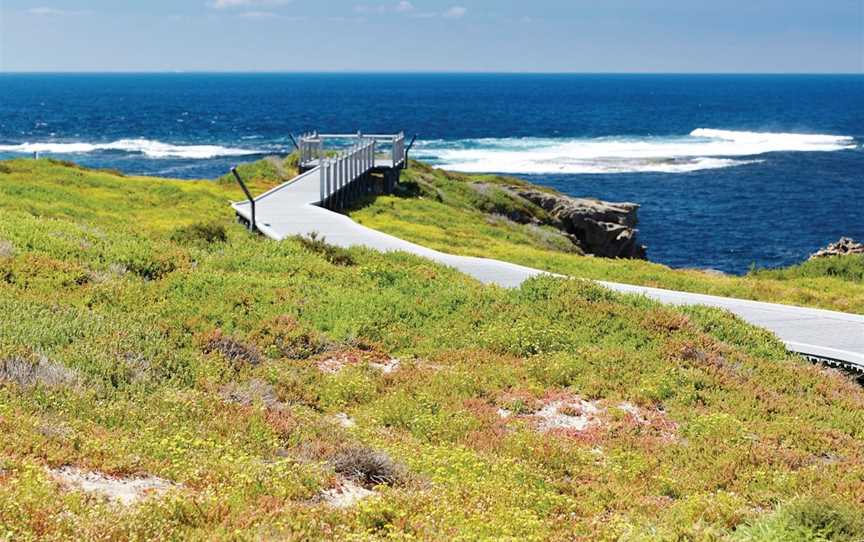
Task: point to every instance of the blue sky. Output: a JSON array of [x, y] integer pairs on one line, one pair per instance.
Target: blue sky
[[433, 35]]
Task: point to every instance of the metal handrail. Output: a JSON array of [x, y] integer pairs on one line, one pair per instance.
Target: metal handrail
[[252, 224], [408, 149], [294, 141]]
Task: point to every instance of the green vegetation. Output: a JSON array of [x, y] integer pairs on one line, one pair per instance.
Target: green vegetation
[[461, 214], [849, 268], [201, 233], [272, 170], [806, 520], [257, 377]]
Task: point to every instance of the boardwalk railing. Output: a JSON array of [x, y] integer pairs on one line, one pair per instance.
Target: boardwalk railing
[[342, 175]]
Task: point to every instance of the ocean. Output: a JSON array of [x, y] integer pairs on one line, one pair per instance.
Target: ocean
[[732, 171]]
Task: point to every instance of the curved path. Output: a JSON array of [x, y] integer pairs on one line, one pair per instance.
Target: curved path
[[291, 209]]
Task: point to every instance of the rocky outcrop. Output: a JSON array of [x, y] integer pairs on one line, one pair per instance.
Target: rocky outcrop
[[844, 247], [599, 227]]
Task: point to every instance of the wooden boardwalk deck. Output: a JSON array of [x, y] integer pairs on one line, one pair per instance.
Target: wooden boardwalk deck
[[292, 209]]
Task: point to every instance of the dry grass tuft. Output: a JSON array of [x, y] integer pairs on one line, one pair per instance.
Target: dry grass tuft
[[285, 337], [29, 373], [702, 357], [333, 254], [666, 321], [369, 467], [233, 350], [251, 393], [7, 249], [206, 233]]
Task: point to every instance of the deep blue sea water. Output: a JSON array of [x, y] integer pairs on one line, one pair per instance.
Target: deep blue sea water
[[730, 171]]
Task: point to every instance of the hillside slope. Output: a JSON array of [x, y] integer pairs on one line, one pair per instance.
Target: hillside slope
[[259, 388], [447, 212]]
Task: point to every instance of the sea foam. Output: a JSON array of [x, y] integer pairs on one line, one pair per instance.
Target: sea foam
[[703, 148], [150, 148]]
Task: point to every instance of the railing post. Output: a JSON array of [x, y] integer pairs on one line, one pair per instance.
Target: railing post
[[353, 176], [322, 179], [331, 173], [328, 179], [371, 164], [348, 194], [252, 224], [340, 192], [331, 181], [345, 180]]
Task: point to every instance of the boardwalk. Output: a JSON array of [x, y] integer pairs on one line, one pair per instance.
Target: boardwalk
[[293, 209]]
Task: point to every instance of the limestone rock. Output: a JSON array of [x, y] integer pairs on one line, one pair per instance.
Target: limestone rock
[[600, 227], [844, 247]]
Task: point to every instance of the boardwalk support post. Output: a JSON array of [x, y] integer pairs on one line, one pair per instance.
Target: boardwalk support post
[[252, 225]]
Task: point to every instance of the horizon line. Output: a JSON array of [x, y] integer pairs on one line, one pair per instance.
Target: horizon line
[[399, 72]]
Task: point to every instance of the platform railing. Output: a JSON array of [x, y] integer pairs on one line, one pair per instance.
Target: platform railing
[[312, 146], [341, 174], [398, 150]]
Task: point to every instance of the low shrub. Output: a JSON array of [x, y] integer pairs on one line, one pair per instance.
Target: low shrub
[[806, 520], [64, 163], [233, 350], [144, 260], [850, 267], [285, 337], [333, 254], [200, 233]]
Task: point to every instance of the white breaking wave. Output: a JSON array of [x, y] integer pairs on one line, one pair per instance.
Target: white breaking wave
[[702, 149], [153, 149]]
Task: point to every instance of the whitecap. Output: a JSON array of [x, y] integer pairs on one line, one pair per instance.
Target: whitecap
[[703, 148]]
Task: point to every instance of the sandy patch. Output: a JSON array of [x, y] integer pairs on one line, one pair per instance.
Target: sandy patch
[[346, 494], [344, 420], [335, 361], [386, 367], [504, 413], [555, 412], [7, 249], [126, 491], [654, 420], [634, 411], [572, 415]]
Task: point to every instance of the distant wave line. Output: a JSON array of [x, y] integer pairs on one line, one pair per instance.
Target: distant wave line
[[150, 148]]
